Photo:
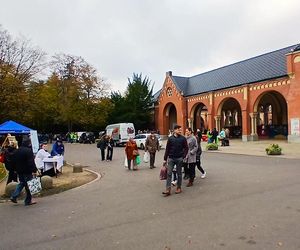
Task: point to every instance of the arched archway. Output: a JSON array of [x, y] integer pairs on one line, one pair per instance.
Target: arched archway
[[199, 117], [170, 117], [272, 115], [230, 115]]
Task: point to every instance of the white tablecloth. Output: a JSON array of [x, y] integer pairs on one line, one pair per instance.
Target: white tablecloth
[[48, 162]]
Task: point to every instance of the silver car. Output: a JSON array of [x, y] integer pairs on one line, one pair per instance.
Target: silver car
[[140, 140]]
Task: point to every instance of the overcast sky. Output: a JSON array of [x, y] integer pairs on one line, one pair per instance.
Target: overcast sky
[[120, 37]]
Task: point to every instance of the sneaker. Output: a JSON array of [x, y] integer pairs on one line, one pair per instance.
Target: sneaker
[[31, 203], [14, 200], [203, 175], [174, 183]]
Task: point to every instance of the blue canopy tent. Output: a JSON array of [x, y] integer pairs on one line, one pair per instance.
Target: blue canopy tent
[[11, 127]]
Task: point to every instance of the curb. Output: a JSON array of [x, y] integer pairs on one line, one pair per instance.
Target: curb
[[99, 176]]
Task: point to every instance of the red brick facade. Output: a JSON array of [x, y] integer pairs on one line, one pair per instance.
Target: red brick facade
[[283, 94]]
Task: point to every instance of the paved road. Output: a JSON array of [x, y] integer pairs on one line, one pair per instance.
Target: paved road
[[246, 202]]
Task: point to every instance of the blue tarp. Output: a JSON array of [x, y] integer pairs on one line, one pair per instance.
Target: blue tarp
[[11, 127]]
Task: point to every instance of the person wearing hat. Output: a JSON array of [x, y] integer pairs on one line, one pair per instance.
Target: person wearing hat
[[58, 148]]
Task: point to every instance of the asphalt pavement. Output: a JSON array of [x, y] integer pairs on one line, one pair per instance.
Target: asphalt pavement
[[246, 202]]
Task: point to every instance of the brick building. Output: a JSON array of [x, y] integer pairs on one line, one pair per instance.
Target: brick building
[[255, 98]]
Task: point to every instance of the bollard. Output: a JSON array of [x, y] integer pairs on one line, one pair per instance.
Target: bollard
[[47, 182], [77, 168], [10, 188]]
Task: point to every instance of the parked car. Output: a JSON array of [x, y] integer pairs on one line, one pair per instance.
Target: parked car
[[87, 137], [140, 140]]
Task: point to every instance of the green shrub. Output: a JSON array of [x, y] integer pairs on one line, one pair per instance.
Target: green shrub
[[212, 146], [273, 149]]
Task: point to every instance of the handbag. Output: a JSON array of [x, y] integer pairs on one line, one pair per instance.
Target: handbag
[[138, 160], [34, 185], [2, 158], [125, 162], [146, 157], [163, 173]]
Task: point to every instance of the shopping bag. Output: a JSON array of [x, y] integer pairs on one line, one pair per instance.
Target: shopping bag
[[138, 160], [163, 173], [146, 157], [34, 185], [125, 162]]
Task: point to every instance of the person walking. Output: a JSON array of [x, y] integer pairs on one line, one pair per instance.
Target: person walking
[[198, 155], [102, 144], [190, 159], [176, 151], [23, 160], [151, 146], [110, 148], [131, 151]]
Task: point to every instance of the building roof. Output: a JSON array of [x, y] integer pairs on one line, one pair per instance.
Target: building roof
[[263, 67]]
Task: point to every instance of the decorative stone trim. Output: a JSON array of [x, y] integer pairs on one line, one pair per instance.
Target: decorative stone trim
[[229, 92], [269, 85], [198, 98]]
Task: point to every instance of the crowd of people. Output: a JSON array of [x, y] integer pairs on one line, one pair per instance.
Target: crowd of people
[[183, 152]]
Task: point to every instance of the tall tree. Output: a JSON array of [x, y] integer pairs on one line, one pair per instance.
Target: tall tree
[[80, 91], [20, 62], [135, 106]]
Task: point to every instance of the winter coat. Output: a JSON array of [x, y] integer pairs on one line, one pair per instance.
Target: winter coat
[[23, 160], [102, 144], [8, 154], [58, 149], [193, 147], [152, 145], [130, 147]]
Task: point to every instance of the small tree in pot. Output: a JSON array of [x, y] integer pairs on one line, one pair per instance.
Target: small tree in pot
[[273, 149]]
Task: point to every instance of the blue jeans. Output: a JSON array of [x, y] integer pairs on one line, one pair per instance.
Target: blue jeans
[[23, 178], [171, 163]]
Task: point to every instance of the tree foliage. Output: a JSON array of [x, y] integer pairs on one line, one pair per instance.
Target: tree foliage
[[74, 96], [136, 105]]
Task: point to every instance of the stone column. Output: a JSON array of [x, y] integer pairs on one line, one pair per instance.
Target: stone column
[[218, 122], [253, 135]]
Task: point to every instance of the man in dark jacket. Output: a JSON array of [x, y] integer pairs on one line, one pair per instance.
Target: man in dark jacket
[[176, 151], [23, 160]]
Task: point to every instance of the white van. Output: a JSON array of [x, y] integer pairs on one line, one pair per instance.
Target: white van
[[120, 132]]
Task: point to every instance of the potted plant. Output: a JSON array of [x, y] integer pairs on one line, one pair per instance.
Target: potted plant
[[212, 146], [273, 149]]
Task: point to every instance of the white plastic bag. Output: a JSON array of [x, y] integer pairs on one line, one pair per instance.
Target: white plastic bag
[[125, 162], [34, 185], [146, 157]]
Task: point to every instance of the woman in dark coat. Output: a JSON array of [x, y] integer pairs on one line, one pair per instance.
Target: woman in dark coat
[[8, 153]]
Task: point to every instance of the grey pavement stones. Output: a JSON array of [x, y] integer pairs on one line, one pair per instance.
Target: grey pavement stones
[[246, 202]]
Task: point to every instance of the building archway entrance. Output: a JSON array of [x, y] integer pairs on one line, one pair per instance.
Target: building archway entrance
[[272, 116], [231, 117], [199, 115], [170, 120]]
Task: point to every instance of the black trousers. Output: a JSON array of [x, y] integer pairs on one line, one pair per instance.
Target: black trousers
[[12, 176], [152, 159], [109, 153], [102, 154], [191, 170], [198, 164]]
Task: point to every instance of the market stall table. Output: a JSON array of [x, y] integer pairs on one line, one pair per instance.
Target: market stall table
[[55, 162]]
